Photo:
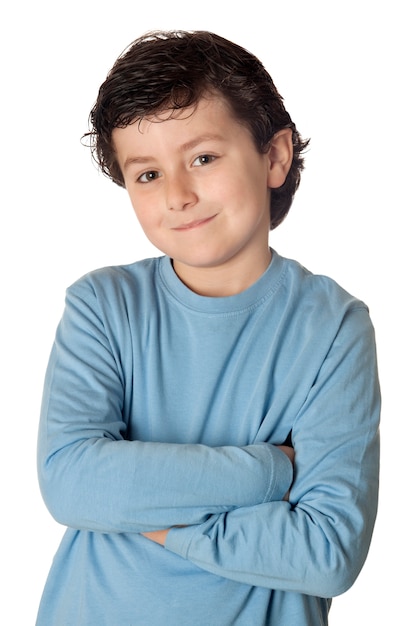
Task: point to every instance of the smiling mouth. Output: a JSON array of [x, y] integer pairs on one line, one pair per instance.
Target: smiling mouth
[[195, 224]]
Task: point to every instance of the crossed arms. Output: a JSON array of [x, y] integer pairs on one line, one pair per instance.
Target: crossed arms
[[159, 536], [223, 508]]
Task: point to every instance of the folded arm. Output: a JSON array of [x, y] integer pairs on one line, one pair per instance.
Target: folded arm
[[318, 541], [93, 478], [159, 536]]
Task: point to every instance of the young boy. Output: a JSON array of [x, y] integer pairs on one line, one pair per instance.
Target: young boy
[[180, 388]]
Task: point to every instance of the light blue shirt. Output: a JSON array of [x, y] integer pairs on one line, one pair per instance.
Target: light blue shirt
[[161, 408]]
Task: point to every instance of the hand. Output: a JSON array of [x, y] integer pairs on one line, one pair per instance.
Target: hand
[[289, 451], [158, 536]]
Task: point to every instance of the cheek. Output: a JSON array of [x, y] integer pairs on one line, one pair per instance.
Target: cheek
[[145, 219], [247, 192], [141, 207]]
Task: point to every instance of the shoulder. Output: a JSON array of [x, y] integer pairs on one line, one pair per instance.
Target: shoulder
[[114, 293], [118, 278], [318, 306], [316, 290], [322, 319]]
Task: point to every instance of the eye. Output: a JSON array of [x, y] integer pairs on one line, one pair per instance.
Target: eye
[[148, 177], [204, 159]]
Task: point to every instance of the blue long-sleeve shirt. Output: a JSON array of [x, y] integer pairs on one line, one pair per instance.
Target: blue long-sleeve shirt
[[161, 408]]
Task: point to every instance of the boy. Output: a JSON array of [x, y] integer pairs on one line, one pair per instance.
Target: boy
[[179, 388]]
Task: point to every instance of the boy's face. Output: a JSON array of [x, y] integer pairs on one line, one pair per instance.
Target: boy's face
[[200, 190]]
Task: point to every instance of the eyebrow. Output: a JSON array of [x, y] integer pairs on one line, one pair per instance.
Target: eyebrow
[[188, 145]]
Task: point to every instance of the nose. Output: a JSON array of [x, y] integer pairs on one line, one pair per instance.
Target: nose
[[180, 193]]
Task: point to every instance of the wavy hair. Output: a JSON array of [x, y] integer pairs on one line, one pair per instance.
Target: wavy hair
[[171, 70]]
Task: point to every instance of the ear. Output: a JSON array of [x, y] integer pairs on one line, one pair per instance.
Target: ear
[[280, 155]]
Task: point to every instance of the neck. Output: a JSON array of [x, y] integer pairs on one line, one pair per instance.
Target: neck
[[225, 280]]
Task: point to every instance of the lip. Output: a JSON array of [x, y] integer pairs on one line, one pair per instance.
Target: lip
[[195, 223]]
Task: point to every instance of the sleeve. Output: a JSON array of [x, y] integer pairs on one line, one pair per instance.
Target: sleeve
[[91, 477], [317, 543]]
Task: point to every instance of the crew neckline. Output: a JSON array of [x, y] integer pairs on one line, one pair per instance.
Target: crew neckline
[[251, 297]]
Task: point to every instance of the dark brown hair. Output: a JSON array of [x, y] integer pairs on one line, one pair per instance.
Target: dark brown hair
[[173, 70]]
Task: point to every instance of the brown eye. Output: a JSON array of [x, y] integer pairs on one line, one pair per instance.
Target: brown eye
[[203, 159], [148, 177]]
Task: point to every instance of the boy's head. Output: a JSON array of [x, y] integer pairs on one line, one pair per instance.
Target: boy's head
[[165, 71]]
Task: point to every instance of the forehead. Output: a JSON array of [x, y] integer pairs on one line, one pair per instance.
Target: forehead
[[210, 118]]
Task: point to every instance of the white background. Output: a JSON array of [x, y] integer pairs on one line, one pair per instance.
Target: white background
[[347, 72]]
